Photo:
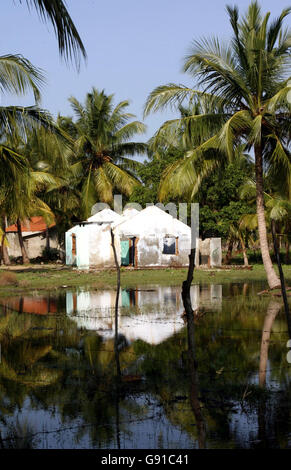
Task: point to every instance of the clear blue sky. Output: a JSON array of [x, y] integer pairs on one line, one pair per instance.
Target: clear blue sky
[[132, 46]]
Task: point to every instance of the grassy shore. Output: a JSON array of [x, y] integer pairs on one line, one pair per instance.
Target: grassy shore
[[21, 279]]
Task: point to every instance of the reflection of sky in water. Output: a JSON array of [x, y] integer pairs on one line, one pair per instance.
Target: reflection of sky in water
[[142, 430]]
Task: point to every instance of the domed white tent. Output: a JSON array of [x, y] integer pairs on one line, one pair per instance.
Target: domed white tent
[[153, 238], [147, 238], [89, 243]]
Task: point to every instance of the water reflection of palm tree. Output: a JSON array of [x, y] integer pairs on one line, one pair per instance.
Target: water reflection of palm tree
[[194, 385], [192, 364], [272, 311]]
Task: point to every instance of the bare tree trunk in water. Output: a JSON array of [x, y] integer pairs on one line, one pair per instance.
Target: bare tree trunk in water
[[229, 252], [116, 306], [272, 277], [194, 386], [272, 311], [1, 442], [118, 371], [25, 259], [283, 288]]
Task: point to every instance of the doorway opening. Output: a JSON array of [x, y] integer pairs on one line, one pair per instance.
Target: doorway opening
[[128, 252]]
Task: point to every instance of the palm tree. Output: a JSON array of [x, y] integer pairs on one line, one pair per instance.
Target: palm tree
[[47, 152], [69, 41], [17, 75], [277, 203], [23, 197], [247, 82], [241, 235], [102, 134], [21, 202]]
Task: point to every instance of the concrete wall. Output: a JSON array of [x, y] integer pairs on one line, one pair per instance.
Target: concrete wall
[[70, 258], [81, 259], [82, 248], [215, 252], [93, 246], [34, 243], [150, 251], [101, 252], [208, 252]]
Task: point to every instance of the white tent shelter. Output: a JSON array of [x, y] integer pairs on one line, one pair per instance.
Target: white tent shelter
[[148, 238], [89, 243], [153, 238]]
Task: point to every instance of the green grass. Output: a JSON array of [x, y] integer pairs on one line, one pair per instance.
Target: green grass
[[50, 277]]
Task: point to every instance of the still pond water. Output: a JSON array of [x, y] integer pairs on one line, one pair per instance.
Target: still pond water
[[59, 386]]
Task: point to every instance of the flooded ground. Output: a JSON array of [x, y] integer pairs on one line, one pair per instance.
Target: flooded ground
[[60, 356]]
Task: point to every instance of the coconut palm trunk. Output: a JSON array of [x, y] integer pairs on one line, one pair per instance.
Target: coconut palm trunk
[[25, 259], [229, 252], [272, 277], [4, 251], [244, 250], [47, 239]]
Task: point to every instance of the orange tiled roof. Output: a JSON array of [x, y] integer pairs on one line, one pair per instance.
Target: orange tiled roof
[[35, 224]]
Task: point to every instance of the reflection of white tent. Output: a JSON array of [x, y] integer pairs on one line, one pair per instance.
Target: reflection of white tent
[[158, 314], [152, 328], [95, 311]]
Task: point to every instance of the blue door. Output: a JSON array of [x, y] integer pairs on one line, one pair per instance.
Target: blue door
[[125, 252]]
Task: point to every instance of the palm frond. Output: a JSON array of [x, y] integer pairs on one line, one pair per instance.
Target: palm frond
[[119, 178], [173, 95], [18, 75], [129, 130], [238, 124], [280, 99], [70, 43], [249, 221]]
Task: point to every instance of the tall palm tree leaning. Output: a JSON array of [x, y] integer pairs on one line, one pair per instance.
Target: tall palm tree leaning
[[247, 82], [103, 133]]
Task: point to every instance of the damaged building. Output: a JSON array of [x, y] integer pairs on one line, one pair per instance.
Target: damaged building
[[147, 238], [208, 253]]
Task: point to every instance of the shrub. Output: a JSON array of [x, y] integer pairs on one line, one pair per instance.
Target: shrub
[[8, 279], [50, 254]]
